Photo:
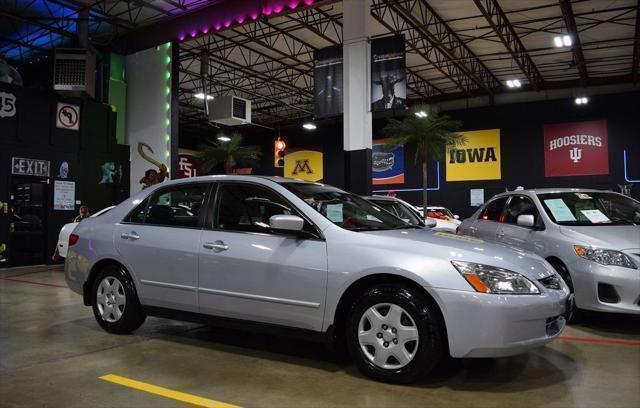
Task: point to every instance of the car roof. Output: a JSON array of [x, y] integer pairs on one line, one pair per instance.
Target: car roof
[[380, 197], [235, 177], [548, 190]]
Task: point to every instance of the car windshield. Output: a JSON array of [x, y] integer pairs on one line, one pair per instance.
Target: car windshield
[[399, 209], [346, 210], [591, 208]]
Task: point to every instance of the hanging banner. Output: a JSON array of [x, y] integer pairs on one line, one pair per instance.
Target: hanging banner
[[576, 149], [477, 159], [388, 73], [305, 164], [327, 77], [387, 164]]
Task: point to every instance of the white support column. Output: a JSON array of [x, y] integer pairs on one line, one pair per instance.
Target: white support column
[[357, 88]]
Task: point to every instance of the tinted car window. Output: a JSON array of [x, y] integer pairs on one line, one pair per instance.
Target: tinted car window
[[177, 206], [246, 207], [493, 211], [520, 205]]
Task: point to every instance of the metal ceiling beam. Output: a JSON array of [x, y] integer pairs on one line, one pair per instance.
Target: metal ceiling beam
[[423, 18], [570, 23], [635, 70], [419, 43], [500, 24]]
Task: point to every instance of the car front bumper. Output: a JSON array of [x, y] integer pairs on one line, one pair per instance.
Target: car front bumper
[[587, 276], [486, 325]]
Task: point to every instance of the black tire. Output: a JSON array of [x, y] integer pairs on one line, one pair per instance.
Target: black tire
[[132, 314], [573, 315], [430, 347]]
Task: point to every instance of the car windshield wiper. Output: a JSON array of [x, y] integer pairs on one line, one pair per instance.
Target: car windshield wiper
[[408, 226]]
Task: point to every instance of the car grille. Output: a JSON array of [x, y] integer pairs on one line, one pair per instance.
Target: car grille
[[551, 282]]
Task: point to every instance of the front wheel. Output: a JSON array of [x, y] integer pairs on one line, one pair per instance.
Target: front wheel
[[115, 303], [394, 334], [573, 314]]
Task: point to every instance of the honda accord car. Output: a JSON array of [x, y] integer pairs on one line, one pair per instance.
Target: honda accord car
[[310, 259], [591, 237]]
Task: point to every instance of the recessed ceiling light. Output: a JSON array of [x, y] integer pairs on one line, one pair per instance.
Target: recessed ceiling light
[[557, 41], [224, 138], [514, 83], [421, 114], [309, 126], [566, 41], [200, 96]]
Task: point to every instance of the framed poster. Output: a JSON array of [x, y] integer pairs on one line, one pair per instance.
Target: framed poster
[[576, 149], [387, 165], [477, 159], [64, 195]]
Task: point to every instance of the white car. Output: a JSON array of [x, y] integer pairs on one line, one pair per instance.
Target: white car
[[67, 229], [444, 218]]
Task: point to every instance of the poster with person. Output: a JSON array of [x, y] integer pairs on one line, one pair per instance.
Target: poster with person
[[388, 73]]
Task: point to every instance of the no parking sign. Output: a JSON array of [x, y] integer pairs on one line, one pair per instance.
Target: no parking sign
[[68, 116]]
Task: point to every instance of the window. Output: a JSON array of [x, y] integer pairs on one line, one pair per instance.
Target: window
[[247, 207], [591, 208], [176, 206], [400, 211], [493, 210], [520, 205]]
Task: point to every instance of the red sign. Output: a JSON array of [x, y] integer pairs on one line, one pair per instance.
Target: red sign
[[576, 149]]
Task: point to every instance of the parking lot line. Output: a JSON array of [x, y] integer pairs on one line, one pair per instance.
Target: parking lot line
[[165, 392], [601, 341]]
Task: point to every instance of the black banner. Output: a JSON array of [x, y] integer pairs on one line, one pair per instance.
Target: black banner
[[328, 86], [388, 73]]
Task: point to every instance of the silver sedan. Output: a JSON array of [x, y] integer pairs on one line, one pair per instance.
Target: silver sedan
[[316, 261]]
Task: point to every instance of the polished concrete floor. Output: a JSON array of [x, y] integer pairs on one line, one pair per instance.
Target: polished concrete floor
[[52, 353]]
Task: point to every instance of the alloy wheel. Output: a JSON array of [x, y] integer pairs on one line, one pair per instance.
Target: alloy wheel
[[111, 299]]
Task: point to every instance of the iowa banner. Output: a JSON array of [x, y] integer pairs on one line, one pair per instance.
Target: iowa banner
[[388, 73], [477, 159], [387, 164], [327, 81], [304, 164], [576, 149]]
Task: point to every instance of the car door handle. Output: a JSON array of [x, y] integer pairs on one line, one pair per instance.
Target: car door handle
[[218, 245], [132, 236]]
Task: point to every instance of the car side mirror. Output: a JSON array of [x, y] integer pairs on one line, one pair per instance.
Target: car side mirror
[[526, 220], [430, 222], [291, 223], [457, 217]]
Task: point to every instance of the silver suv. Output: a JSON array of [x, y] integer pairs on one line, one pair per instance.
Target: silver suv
[[591, 237], [317, 261]]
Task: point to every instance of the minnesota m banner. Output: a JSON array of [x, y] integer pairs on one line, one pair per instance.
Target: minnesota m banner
[[477, 159], [304, 165]]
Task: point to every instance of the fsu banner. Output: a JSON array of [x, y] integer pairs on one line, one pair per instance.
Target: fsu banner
[[576, 149], [387, 164], [477, 159], [388, 74], [327, 81], [304, 164]]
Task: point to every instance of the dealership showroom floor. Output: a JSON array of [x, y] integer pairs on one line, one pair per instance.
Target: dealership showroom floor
[[55, 355], [320, 203]]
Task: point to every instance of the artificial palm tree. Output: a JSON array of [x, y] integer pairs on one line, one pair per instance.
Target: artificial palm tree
[[431, 132], [228, 152]]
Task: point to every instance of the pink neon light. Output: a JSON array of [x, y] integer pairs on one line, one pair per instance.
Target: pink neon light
[[293, 4], [205, 30], [217, 26], [193, 33], [227, 23], [277, 8], [266, 11], [308, 2], [240, 19], [254, 15], [181, 37]]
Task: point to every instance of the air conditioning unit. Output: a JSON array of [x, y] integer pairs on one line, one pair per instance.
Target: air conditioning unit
[[230, 110], [74, 72]]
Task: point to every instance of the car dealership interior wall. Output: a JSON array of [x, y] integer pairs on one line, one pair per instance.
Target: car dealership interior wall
[[56, 155], [519, 147]]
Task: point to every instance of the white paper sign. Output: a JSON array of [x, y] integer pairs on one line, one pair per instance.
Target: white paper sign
[[68, 116], [559, 210], [334, 212], [595, 216], [477, 197], [64, 195]]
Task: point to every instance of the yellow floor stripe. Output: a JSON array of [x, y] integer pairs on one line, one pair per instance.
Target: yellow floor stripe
[[165, 392]]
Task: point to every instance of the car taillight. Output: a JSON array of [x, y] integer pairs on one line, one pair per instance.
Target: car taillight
[[73, 238]]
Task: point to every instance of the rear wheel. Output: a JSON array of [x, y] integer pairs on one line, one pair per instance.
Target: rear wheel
[[573, 314], [394, 334], [115, 303]]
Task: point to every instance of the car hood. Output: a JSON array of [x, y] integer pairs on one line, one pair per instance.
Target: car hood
[[466, 248], [618, 237]]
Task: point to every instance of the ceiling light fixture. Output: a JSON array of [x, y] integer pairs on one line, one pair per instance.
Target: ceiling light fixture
[[566, 40], [200, 96], [224, 138], [421, 114], [582, 100], [562, 41], [309, 126], [514, 83]]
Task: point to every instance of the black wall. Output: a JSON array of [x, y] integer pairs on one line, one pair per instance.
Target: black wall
[[521, 135], [32, 133]]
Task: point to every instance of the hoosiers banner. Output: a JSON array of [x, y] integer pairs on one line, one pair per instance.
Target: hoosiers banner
[[304, 164], [477, 159], [576, 149], [387, 164]]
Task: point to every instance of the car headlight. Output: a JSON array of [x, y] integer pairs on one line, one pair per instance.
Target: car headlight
[[491, 279], [605, 256]]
